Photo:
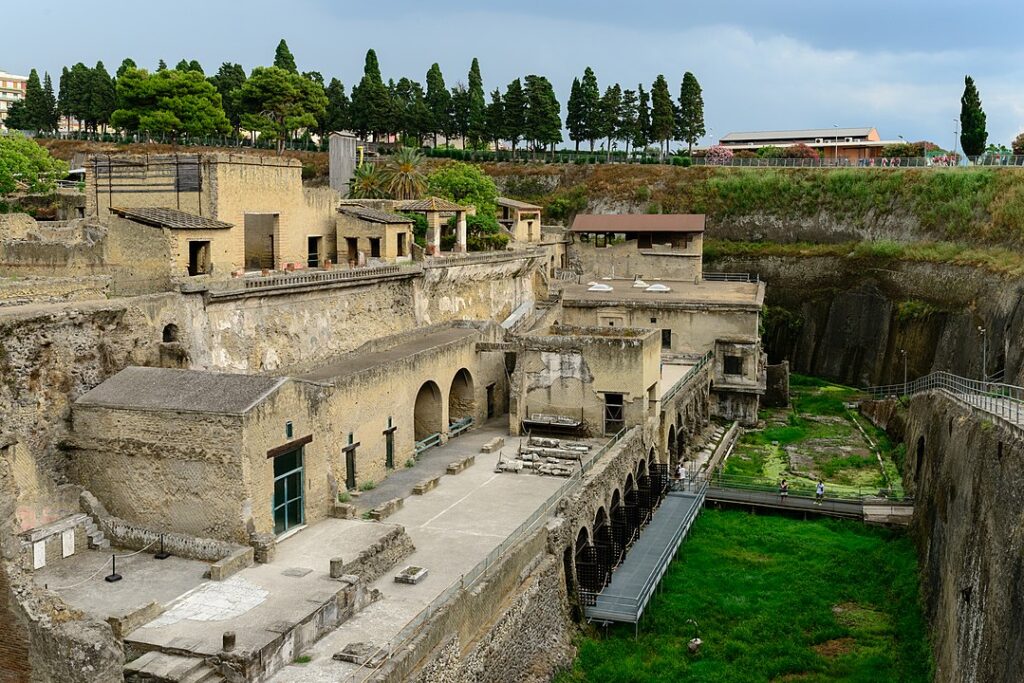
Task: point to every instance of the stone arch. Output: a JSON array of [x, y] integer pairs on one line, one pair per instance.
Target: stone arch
[[427, 412], [587, 571], [672, 447], [641, 467], [607, 557], [461, 397], [170, 333]]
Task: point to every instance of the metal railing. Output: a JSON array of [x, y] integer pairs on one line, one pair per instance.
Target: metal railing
[[460, 426], [481, 257], [428, 443], [470, 578], [690, 374], [731, 277], [739, 482], [996, 398]]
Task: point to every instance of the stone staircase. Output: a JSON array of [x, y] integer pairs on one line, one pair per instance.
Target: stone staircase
[[97, 540], [160, 667]]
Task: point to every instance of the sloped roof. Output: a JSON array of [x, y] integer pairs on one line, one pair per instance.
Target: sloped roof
[[430, 204], [812, 133], [170, 218], [638, 222], [193, 391], [516, 204], [373, 215]]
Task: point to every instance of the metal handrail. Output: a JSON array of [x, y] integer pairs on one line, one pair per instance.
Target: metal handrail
[[996, 398], [731, 277], [692, 372], [797, 490]]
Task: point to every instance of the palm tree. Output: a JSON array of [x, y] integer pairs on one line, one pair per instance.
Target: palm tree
[[367, 183], [402, 176]]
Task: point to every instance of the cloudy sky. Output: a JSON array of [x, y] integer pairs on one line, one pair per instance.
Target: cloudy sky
[[897, 65]]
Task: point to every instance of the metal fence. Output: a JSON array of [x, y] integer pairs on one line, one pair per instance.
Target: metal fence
[[996, 398], [731, 277], [690, 374], [481, 257], [796, 489], [470, 578]]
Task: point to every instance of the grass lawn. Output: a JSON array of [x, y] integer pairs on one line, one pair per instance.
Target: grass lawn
[[776, 599], [816, 438]]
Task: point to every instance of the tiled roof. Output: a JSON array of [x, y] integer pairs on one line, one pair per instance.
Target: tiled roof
[[373, 215], [430, 204], [638, 222], [516, 204], [170, 218]]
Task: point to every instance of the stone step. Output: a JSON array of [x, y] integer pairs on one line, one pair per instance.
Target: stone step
[[160, 667], [97, 540], [205, 674]]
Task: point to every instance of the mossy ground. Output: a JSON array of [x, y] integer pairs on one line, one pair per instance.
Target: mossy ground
[[818, 437], [775, 599]]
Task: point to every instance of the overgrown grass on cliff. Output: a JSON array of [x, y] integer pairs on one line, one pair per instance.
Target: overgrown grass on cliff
[[776, 599], [997, 260]]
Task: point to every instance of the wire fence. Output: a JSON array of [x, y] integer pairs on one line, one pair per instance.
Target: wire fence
[[996, 398]]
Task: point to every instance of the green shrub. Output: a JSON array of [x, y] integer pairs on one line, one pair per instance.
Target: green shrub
[[410, 463], [344, 497], [367, 485]]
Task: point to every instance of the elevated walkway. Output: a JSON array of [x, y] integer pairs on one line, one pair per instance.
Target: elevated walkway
[[869, 510], [1005, 401], [634, 581]]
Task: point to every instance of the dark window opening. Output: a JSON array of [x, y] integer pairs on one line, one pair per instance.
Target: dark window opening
[[614, 413], [654, 320], [352, 246], [643, 241], [374, 247], [170, 333], [199, 257], [400, 251], [289, 430], [288, 499], [600, 240], [666, 339], [733, 365], [314, 251]]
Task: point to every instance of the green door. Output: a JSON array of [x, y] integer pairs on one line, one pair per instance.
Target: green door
[[288, 508]]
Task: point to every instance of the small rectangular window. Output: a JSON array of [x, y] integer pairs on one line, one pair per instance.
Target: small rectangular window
[[198, 257], [288, 429], [614, 413], [654, 320], [733, 365], [666, 339]]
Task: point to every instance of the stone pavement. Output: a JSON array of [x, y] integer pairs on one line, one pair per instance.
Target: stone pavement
[[454, 527]]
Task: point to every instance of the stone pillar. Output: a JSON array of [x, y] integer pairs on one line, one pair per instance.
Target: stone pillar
[[337, 567], [433, 233], [460, 231]]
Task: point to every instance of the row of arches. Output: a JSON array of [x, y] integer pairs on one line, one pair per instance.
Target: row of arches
[[428, 413], [688, 423], [598, 549]]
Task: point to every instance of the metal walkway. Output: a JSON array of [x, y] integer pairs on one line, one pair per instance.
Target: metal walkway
[[633, 582], [996, 398]]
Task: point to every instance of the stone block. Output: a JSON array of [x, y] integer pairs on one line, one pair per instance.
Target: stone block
[[124, 624], [411, 575], [426, 485], [344, 511], [494, 445], [459, 465], [232, 564], [264, 547], [387, 509]]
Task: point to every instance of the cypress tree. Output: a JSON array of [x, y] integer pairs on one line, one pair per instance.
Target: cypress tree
[[691, 111], [590, 96], [663, 120], [611, 112], [102, 96], [495, 117], [574, 114], [628, 118], [338, 117], [371, 110], [642, 132], [476, 122], [52, 117], [973, 135], [228, 81], [439, 103], [35, 115], [543, 114], [283, 58], [515, 113]]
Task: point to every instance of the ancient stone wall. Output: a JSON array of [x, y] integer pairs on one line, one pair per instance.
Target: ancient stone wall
[[966, 469], [480, 291]]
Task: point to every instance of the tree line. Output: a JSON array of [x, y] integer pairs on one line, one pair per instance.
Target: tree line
[[281, 103]]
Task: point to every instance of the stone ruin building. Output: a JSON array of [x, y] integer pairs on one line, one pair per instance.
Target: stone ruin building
[[273, 389]]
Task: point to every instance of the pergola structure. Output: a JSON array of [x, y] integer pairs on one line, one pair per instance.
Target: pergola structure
[[433, 208]]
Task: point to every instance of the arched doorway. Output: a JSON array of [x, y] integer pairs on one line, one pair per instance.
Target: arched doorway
[[673, 452], [587, 571], [631, 506], [606, 555], [461, 401], [620, 534], [427, 413], [170, 333]]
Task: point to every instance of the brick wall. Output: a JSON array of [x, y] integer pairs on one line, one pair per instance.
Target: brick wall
[[14, 662]]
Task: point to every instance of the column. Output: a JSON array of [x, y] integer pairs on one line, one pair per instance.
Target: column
[[460, 231], [433, 233]]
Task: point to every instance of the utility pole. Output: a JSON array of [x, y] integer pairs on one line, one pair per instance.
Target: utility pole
[[956, 138], [903, 352]]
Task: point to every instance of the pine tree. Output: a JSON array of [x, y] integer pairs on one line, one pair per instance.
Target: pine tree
[[476, 122], [574, 114], [627, 127], [515, 105], [126, 63], [611, 112], [590, 95], [691, 111], [642, 132], [283, 58], [973, 135], [494, 114], [52, 117], [338, 116], [663, 118], [161, 65], [439, 103], [228, 81]]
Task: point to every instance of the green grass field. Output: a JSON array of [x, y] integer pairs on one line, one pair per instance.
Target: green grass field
[[776, 600], [816, 437]]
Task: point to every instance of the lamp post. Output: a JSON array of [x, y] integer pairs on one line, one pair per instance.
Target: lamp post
[[835, 149], [984, 353], [956, 138]]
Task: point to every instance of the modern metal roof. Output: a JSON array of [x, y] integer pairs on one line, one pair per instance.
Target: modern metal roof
[[192, 391], [807, 133], [373, 215], [638, 222], [169, 218], [430, 204], [516, 204]]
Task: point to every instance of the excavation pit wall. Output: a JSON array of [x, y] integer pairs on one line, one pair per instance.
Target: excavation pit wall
[[965, 468]]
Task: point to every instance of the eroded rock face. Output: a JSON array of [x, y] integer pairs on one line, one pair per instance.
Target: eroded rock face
[[967, 470]]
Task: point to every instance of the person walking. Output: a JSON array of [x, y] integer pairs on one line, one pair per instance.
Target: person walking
[[819, 492], [783, 491]]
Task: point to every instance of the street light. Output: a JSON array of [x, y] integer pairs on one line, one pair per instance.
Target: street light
[[903, 352], [956, 138], [984, 353]]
